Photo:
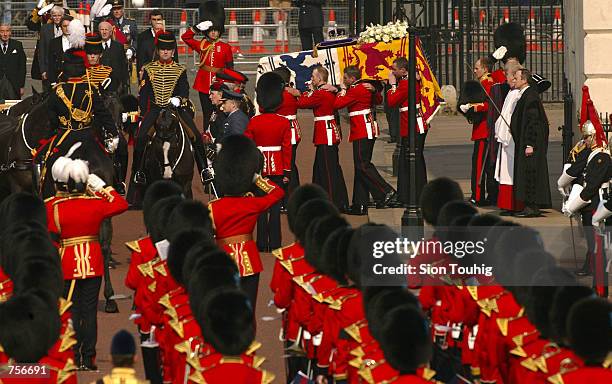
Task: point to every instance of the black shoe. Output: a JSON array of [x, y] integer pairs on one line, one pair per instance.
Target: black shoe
[[283, 209], [344, 210], [472, 201], [483, 203], [528, 212], [120, 188], [505, 212], [358, 210], [88, 365], [372, 204], [390, 197], [135, 207], [140, 178]]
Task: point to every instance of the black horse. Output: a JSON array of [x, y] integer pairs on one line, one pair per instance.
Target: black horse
[[26, 105], [20, 173], [169, 154]]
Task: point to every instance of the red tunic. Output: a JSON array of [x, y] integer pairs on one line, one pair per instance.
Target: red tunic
[[288, 109], [218, 369], [213, 55], [234, 218], [481, 130], [326, 131], [359, 102], [77, 219], [272, 134], [398, 98], [591, 375]]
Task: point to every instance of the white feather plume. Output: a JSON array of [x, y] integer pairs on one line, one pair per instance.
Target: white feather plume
[[73, 149], [76, 34], [79, 171], [96, 7], [61, 169]]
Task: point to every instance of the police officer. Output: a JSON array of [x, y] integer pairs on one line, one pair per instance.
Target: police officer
[[155, 94]]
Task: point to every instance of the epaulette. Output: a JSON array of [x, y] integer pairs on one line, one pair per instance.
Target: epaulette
[[67, 339], [64, 305], [502, 323], [146, 269], [177, 326], [549, 350], [133, 245], [608, 361], [267, 377], [579, 147], [353, 330], [255, 345], [337, 303], [567, 365]]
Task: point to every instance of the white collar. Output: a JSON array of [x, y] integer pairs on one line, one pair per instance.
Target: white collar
[[152, 31], [521, 91]]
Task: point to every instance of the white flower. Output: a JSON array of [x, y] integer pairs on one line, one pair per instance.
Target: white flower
[[386, 38], [377, 37]]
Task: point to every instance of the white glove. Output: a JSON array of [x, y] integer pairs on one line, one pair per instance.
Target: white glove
[[106, 83], [95, 183], [500, 52], [175, 101], [465, 107], [204, 25], [45, 9], [105, 11], [124, 117], [562, 191], [40, 4], [256, 176], [114, 143], [129, 54]]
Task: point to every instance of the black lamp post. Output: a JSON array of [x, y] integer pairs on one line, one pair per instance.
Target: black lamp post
[[412, 219]]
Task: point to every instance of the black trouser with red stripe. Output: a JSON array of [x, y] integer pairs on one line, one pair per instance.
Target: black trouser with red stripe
[[478, 164], [268, 223], [367, 179], [327, 172]]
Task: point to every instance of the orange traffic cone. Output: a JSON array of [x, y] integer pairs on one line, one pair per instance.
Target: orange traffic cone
[[449, 47], [80, 13], [532, 44], [331, 23], [280, 31], [182, 48], [506, 18], [557, 35], [482, 19], [233, 34], [257, 44]]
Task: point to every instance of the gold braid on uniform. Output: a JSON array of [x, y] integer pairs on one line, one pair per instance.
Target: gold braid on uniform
[[98, 74], [163, 79], [82, 116]]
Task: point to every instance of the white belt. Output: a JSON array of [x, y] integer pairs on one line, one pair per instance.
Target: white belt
[[403, 109], [289, 117], [270, 149], [359, 113], [324, 118], [419, 118]]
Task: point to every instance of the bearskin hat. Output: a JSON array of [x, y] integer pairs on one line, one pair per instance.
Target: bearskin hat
[[227, 321], [189, 214], [299, 197], [20, 241], [511, 241], [378, 301], [269, 90], [155, 192], [29, 327], [405, 338], [160, 213], [449, 213], [525, 265], [472, 93], [435, 194], [590, 330], [564, 298], [511, 36], [360, 260], [20, 207], [214, 12], [40, 271], [73, 63], [308, 213], [316, 234], [195, 247], [236, 164], [333, 252], [545, 284]]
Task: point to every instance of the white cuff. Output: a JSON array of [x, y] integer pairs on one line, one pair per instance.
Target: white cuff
[[601, 213], [575, 202], [565, 180]]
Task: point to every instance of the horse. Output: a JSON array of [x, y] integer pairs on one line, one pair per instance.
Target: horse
[[169, 154], [26, 105], [19, 169]]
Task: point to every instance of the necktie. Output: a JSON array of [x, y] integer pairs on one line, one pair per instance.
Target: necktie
[[4, 48]]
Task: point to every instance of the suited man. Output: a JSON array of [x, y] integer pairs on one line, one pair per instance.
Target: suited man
[[145, 45], [114, 56], [47, 33], [310, 22], [57, 47], [12, 65]]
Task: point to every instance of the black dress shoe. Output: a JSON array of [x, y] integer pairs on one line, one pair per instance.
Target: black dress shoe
[[283, 209], [344, 210], [358, 210], [391, 196], [505, 212], [528, 212], [88, 365], [120, 188]]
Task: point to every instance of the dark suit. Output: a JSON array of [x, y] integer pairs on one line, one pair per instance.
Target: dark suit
[[56, 59], [145, 49], [47, 33], [310, 22], [13, 67], [235, 124], [115, 58], [129, 29]]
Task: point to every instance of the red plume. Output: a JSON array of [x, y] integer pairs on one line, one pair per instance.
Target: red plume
[[588, 112]]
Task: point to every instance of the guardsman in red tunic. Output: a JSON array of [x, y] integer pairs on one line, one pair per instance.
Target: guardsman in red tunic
[[76, 215], [397, 97], [214, 53], [272, 135], [360, 97], [327, 171], [235, 213], [475, 106], [288, 109]]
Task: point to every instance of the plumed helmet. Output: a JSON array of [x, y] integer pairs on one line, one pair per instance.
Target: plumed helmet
[[76, 34], [73, 63], [227, 321], [214, 12], [269, 90], [511, 36], [236, 164]]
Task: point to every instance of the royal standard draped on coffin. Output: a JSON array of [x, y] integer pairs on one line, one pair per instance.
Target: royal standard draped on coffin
[[374, 59]]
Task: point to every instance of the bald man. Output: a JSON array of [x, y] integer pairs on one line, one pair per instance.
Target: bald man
[[12, 65], [113, 55]]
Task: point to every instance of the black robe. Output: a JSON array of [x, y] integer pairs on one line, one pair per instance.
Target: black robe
[[529, 127]]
